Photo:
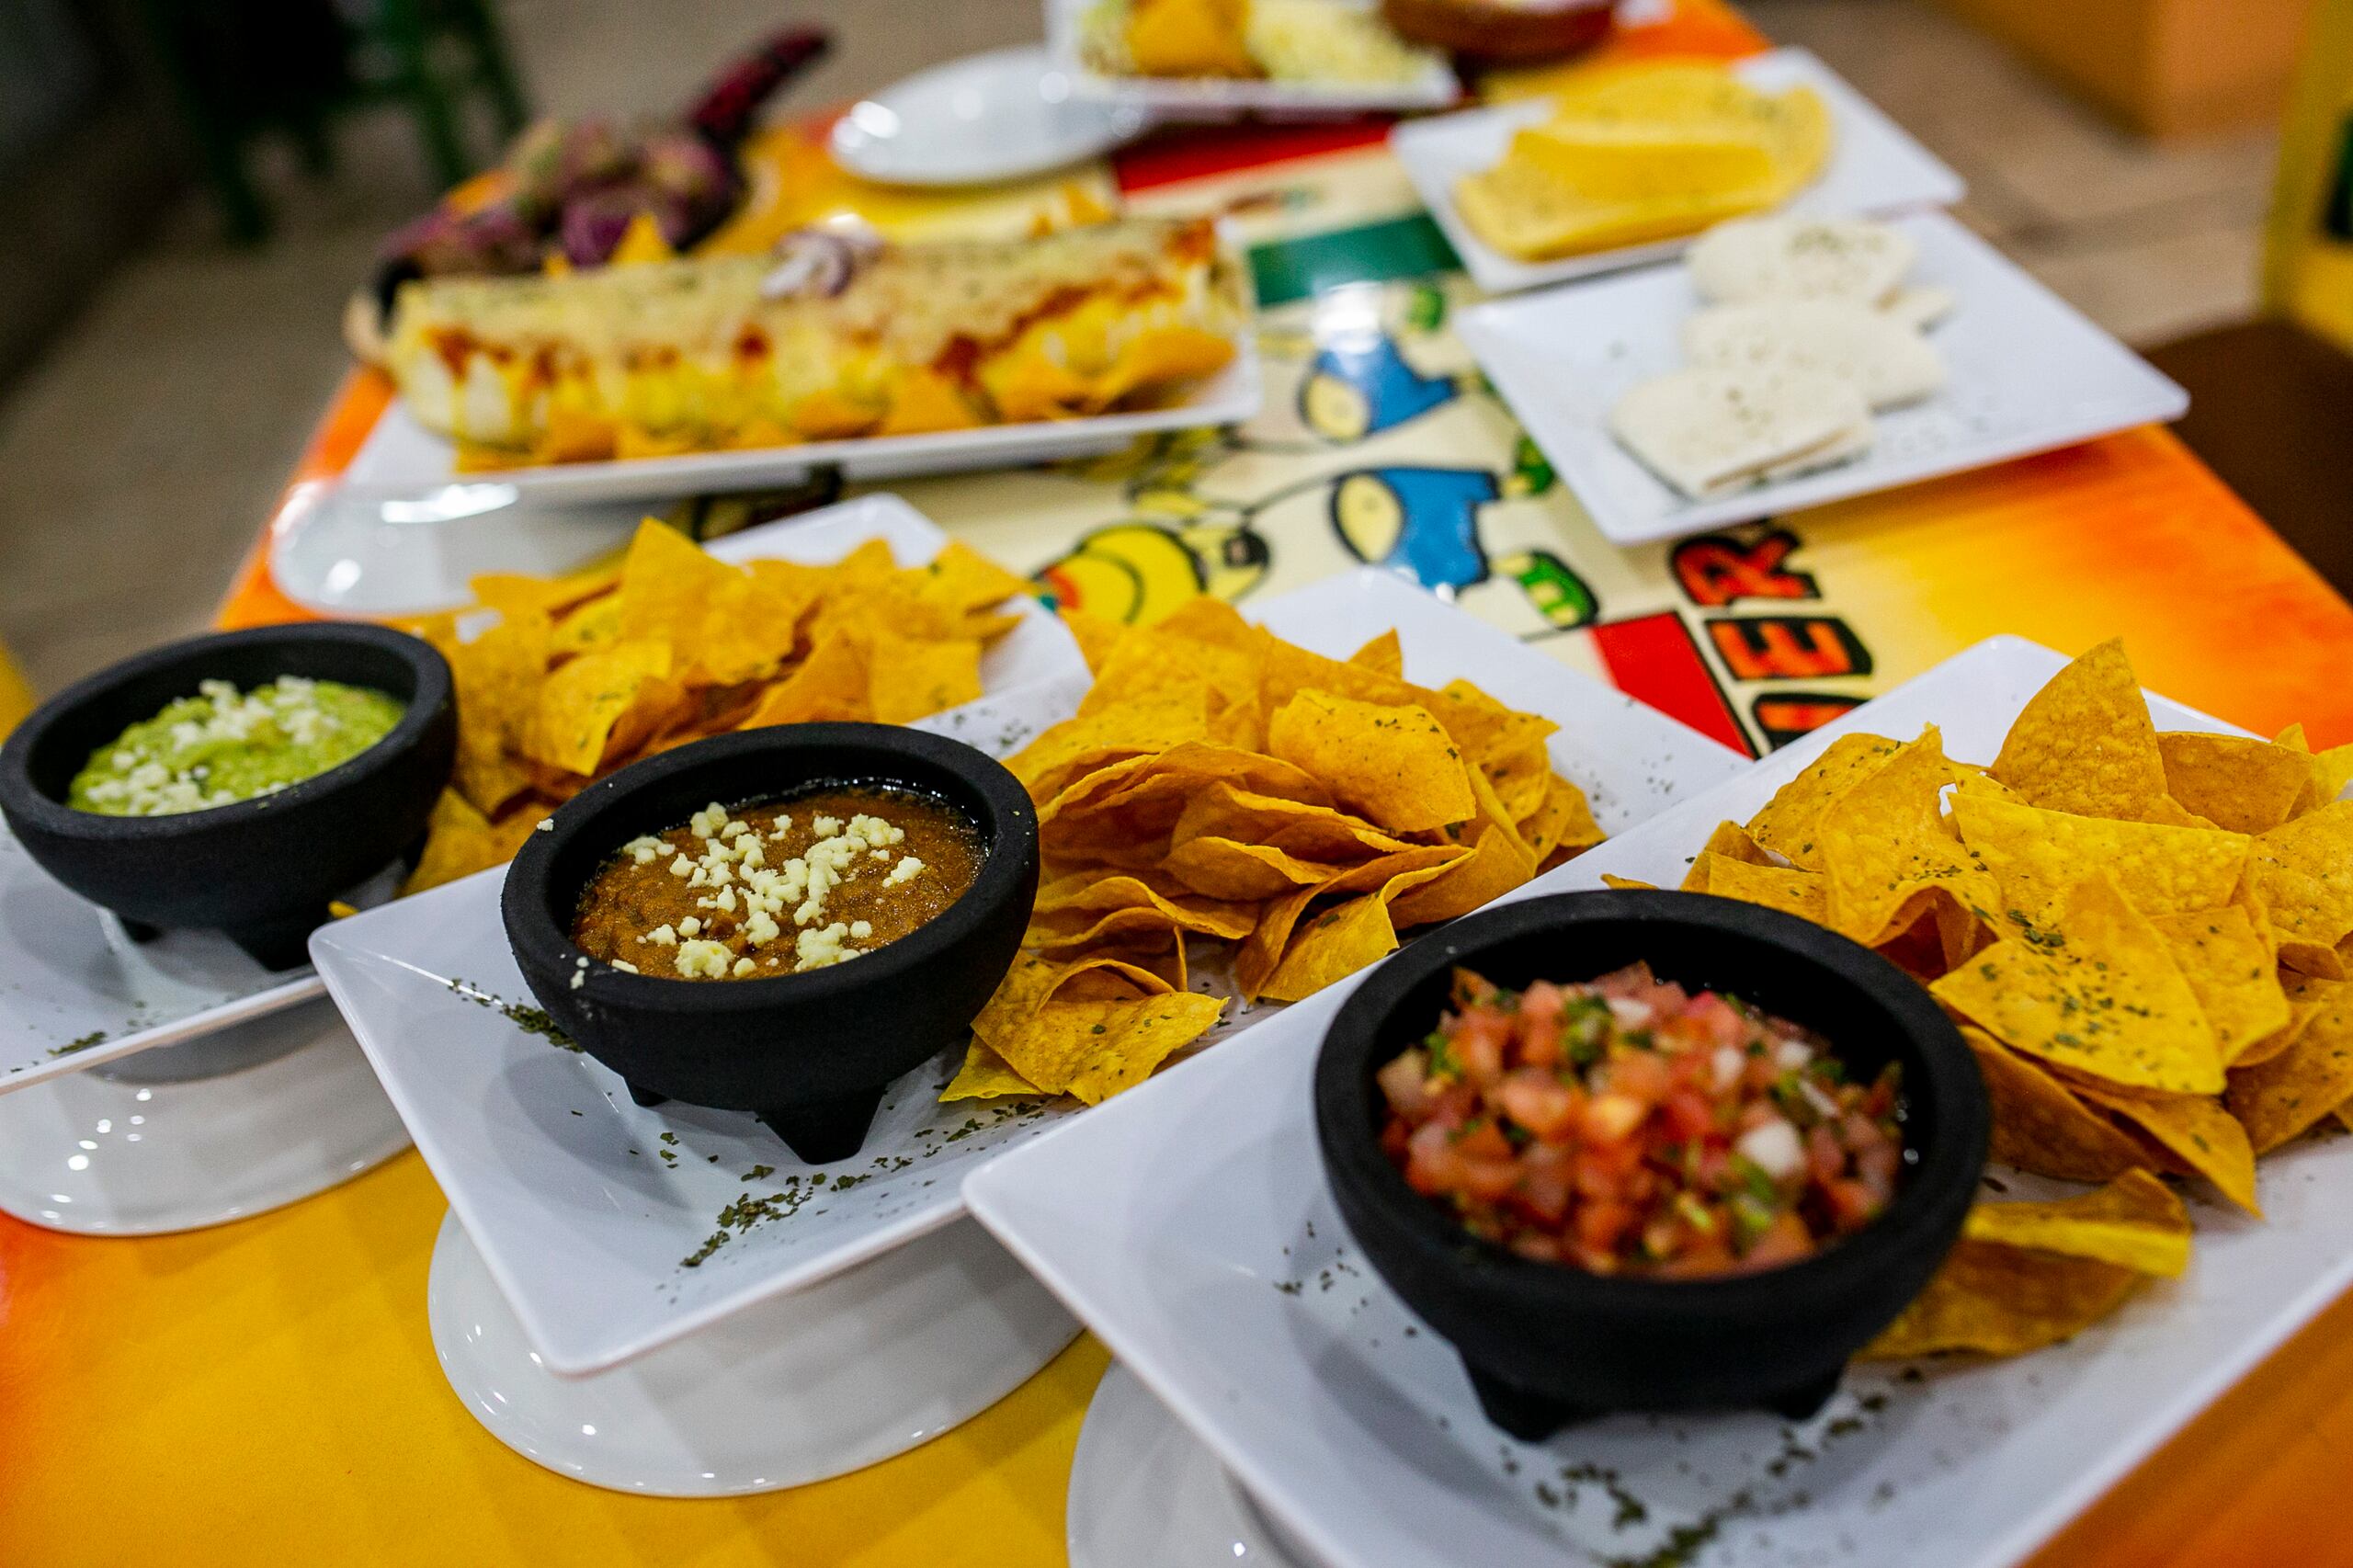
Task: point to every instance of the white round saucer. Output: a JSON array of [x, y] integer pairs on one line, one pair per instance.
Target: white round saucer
[[1146, 1493], [814, 1385], [349, 551], [229, 1125], [998, 116]]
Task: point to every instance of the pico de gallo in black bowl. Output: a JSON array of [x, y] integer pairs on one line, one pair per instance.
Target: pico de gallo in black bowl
[[1702, 1179], [1629, 1125]]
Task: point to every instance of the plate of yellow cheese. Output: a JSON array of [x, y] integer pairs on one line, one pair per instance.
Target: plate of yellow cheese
[[1627, 163]]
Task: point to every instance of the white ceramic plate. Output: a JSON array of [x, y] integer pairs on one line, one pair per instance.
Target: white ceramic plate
[[560, 1180], [345, 552], [1434, 87], [226, 1126], [2028, 373], [76, 991], [831, 1379], [1003, 115], [1875, 168], [1145, 1494], [1189, 1225], [403, 458]]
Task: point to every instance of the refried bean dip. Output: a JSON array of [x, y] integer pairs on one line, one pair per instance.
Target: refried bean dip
[[776, 889]]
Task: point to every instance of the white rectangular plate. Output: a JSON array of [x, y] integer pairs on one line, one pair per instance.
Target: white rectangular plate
[[560, 1180], [1179, 98], [2028, 373], [403, 458], [1189, 1225], [1875, 168], [76, 991]]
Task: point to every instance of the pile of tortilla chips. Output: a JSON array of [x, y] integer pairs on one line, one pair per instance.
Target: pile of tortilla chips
[[1284, 813], [2145, 937], [584, 673]]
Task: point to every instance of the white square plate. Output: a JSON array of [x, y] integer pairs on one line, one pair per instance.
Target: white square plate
[[1190, 1226], [560, 1180], [2027, 373], [402, 457], [1875, 168], [1210, 97]]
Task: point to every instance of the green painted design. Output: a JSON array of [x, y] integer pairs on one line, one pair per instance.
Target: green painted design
[[1377, 252]]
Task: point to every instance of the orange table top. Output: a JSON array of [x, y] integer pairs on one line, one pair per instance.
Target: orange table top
[[267, 1391]]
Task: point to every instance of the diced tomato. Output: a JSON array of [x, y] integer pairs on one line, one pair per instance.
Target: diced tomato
[[1539, 1101], [1689, 1116], [1592, 1126]]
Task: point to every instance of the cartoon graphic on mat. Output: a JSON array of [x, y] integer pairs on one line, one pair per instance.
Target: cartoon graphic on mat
[[1358, 381], [1423, 524], [1139, 571]]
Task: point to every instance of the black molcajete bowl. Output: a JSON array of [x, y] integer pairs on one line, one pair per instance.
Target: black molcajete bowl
[[260, 870], [810, 1054], [1548, 1344]]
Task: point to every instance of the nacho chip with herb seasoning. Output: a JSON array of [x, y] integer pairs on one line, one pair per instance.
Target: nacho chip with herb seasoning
[[1786, 825], [2085, 743], [2278, 1098], [1887, 855], [2037, 857], [1992, 1300], [2236, 782], [2135, 1222], [2195, 1129], [2106, 997], [2041, 1125]]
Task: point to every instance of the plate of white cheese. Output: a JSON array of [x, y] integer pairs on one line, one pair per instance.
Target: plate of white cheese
[[1788, 362]]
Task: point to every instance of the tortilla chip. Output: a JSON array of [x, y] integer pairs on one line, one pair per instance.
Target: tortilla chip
[[1481, 729], [2238, 783], [1395, 766], [1383, 654], [909, 679], [2041, 1126], [1225, 867], [984, 1076], [2303, 873], [1096, 1050], [1786, 825], [2084, 743], [1495, 865], [1095, 634], [1295, 827], [1886, 853], [2102, 994], [961, 578], [583, 705], [829, 684], [1332, 946], [1994, 1300], [1386, 878], [496, 680], [2302, 1008], [2038, 856], [2195, 1129], [1802, 893], [1078, 745], [2229, 967], [2135, 1222], [1627, 884], [2278, 1098], [717, 617], [1091, 891], [459, 842]]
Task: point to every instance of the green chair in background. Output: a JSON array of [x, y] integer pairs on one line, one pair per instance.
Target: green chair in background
[[239, 70]]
